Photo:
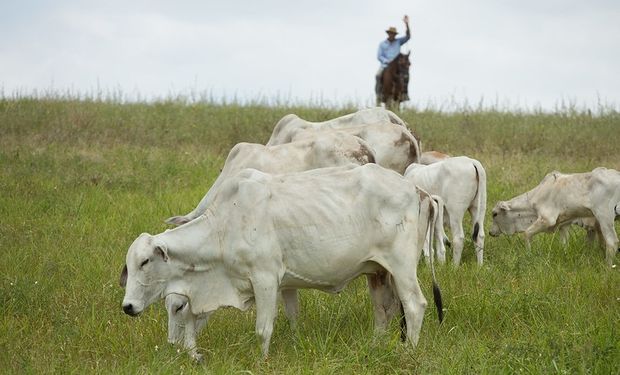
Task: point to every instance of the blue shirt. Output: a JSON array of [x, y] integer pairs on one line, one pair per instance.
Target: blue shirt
[[388, 51]]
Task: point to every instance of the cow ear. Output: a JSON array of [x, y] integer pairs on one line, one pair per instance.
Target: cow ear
[[123, 279], [161, 251], [504, 206]]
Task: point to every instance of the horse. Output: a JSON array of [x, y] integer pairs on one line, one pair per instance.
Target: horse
[[394, 80]]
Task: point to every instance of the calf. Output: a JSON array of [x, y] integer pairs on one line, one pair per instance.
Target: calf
[[461, 184], [558, 200]]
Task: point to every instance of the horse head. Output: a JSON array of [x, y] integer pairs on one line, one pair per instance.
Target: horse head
[[403, 62]]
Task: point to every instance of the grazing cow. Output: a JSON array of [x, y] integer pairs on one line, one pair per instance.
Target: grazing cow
[[461, 183], [325, 150], [558, 200], [394, 146], [184, 326], [285, 129], [266, 233], [430, 157]]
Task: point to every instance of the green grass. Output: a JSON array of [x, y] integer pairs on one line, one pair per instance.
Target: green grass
[[80, 180]]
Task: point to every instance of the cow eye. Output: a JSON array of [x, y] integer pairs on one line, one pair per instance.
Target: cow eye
[[494, 214], [180, 307], [144, 263]]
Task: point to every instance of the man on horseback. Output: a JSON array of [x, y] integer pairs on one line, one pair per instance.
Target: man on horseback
[[389, 49]]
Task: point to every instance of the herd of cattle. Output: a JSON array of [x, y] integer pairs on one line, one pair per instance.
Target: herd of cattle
[[324, 202]]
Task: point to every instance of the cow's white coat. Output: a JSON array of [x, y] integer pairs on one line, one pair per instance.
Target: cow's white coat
[[324, 150], [289, 125], [558, 200], [461, 184], [266, 233]]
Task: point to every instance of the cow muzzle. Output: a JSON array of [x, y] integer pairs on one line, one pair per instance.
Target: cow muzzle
[[131, 309], [494, 232]]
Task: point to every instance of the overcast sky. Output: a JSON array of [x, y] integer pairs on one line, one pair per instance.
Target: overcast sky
[[519, 54]]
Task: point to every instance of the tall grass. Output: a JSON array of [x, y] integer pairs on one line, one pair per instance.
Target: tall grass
[[80, 179]]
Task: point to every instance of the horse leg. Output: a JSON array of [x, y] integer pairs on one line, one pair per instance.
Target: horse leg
[[404, 96], [379, 86], [388, 88]]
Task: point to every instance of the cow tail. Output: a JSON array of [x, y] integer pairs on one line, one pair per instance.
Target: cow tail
[[480, 199], [415, 148], [395, 119], [436, 291], [403, 324], [432, 218]]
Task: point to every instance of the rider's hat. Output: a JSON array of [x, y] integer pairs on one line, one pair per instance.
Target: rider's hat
[[391, 30]]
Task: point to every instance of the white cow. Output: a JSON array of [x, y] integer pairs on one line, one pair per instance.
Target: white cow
[[184, 326], [430, 157], [558, 200], [285, 129], [394, 146], [461, 183], [265, 233], [324, 150]]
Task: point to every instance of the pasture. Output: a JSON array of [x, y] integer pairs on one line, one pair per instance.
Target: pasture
[[80, 180]]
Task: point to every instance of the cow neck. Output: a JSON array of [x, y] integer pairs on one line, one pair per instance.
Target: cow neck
[[521, 202], [208, 199], [193, 245]]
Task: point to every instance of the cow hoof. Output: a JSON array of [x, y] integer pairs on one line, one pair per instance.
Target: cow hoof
[[198, 358]]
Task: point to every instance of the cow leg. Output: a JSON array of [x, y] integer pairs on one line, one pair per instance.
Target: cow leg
[[189, 339], [608, 231], [458, 237], [291, 306], [479, 253], [540, 225], [592, 234], [479, 245], [427, 247], [440, 237], [596, 235], [478, 232], [412, 300], [266, 299], [564, 232], [384, 302], [183, 325]]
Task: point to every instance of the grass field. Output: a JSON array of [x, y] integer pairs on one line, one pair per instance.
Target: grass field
[[80, 180]]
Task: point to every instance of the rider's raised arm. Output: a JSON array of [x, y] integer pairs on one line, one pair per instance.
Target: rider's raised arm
[[407, 36]]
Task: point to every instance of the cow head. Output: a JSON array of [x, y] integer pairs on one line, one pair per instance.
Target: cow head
[[178, 314], [508, 219], [145, 274]]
